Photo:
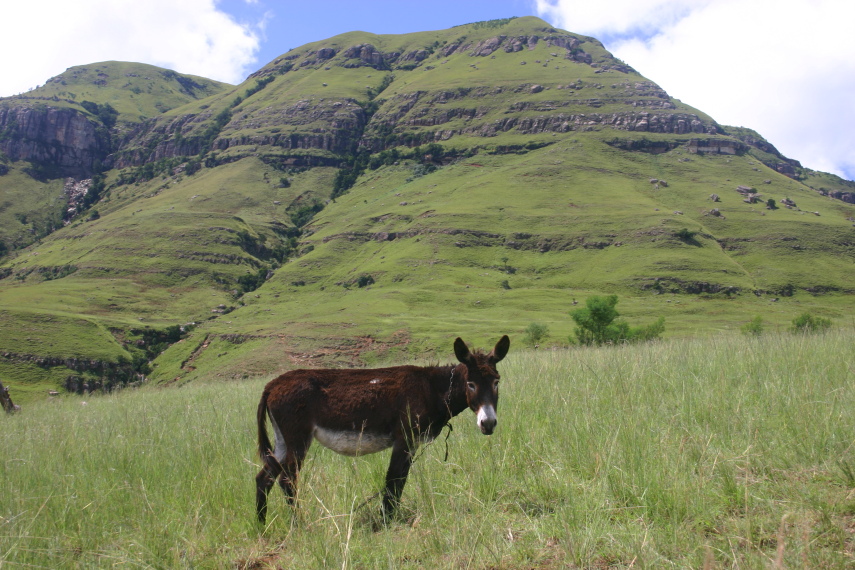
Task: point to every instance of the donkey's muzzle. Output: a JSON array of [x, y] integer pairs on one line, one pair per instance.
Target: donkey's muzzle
[[487, 419]]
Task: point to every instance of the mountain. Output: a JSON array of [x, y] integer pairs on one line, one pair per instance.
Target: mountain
[[68, 127], [370, 195]]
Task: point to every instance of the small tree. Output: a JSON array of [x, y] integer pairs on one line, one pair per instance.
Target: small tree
[[535, 333], [595, 320], [687, 236], [808, 323], [364, 280], [597, 324], [754, 327]]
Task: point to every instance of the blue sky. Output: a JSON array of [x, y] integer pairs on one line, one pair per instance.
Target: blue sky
[[291, 23], [785, 68]]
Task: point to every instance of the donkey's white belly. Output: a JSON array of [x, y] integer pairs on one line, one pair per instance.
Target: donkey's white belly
[[352, 442]]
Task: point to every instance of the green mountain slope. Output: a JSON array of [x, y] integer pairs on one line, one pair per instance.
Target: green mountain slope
[[368, 194], [137, 91], [68, 127]]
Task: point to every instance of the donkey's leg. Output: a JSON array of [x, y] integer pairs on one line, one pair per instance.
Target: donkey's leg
[[291, 468], [396, 476], [282, 463], [263, 483]]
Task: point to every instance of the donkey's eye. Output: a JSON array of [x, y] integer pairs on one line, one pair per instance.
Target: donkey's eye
[[471, 385], [496, 385]]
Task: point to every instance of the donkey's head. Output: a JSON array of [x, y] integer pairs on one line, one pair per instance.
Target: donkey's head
[[481, 380]]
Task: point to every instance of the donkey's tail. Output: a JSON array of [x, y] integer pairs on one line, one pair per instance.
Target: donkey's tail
[[264, 448]]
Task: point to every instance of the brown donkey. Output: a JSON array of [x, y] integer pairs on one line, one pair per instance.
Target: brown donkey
[[354, 412]]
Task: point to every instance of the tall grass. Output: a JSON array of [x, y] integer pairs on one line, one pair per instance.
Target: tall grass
[[722, 452]]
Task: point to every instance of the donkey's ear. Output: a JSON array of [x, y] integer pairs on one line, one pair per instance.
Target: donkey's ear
[[461, 351], [501, 349]]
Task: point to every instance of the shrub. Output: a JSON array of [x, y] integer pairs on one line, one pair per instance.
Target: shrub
[[192, 166], [686, 235], [649, 332], [808, 323], [595, 320], [304, 214], [105, 113], [420, 170], [754, 327], [597, 324], [364, 281], [535, 333], [252, 281]]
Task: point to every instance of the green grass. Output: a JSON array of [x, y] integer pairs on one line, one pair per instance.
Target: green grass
[[726, 451], [136, 90], [29, 209]]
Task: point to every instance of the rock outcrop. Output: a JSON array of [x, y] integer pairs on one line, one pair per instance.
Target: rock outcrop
[[366, 54], [335, 126], [716, 146], [848, 197], [75, 191], [64, 138]]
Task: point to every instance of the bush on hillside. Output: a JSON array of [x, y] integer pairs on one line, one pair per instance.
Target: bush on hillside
[[688, 236], [105, 112], [535, 333], [304, 214], [597, 323], [252, 281], [808, 323], [754, 327]]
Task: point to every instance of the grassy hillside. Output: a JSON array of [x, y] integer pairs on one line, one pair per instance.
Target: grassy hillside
[[136, 90], [362, 196], [114, 97], [29, 208], [470, 248], [715, 452]]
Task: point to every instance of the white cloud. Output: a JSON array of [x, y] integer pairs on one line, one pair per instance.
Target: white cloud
[[782, 67], [616, 17], [42, 39]]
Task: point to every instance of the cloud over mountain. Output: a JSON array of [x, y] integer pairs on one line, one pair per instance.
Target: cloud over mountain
[[192, 36], [782, 68]]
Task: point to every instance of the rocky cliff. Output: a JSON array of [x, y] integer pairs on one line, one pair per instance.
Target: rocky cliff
[[64, 139], [69, 125], [376, 94]]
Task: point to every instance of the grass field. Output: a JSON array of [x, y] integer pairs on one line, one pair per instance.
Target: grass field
[[720, 452]]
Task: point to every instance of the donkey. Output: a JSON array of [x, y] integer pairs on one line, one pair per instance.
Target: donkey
[[361, 411]]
